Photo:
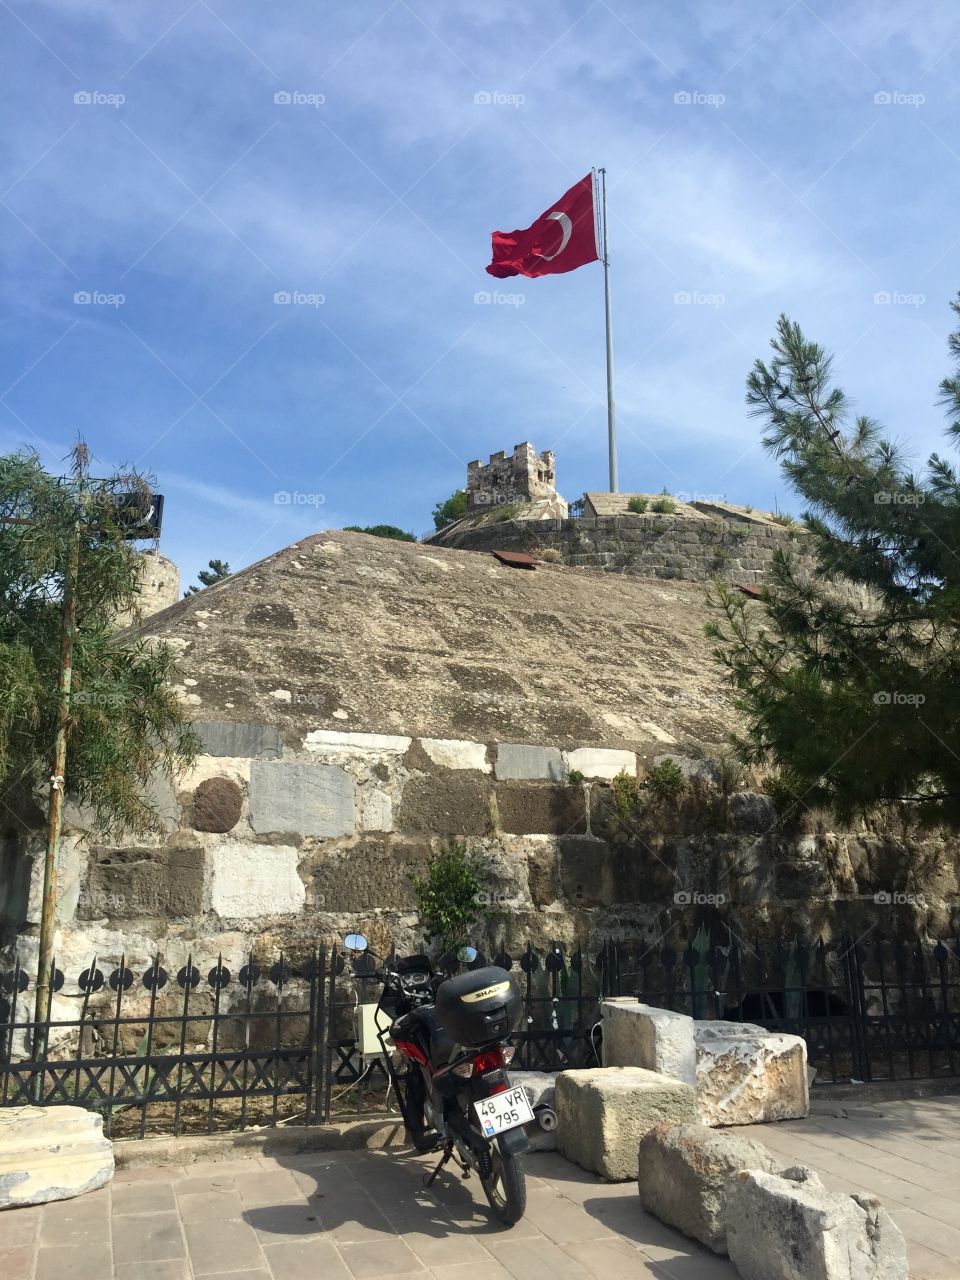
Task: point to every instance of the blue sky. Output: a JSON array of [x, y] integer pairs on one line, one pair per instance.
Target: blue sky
[[182, 187]]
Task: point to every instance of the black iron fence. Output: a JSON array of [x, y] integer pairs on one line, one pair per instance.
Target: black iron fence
[[869, 1009], [190, 1049], [187, 1049]]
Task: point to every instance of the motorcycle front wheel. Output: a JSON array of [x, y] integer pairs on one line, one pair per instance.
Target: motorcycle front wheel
[[504, 1184]]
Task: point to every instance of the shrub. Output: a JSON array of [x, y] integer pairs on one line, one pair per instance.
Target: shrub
[[575, 778], [449, 895], [663, 506], [626, 795], [637, 505], [665, 781]]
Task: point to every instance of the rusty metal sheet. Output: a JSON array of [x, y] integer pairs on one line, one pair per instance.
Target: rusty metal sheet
[[750, 589], [516, 559]]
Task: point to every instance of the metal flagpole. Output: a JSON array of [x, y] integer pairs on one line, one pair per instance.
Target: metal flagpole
[[611, 405]]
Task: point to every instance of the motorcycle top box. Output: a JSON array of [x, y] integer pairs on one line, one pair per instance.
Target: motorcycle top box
[[479, 1006]]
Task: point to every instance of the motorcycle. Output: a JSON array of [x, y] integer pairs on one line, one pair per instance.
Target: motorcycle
[[447, 1056]]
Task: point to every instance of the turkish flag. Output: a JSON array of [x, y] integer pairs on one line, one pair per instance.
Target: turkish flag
[[562, 239]]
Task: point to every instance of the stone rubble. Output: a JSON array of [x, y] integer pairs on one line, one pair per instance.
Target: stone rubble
[[789, 1227], [51, 1153]]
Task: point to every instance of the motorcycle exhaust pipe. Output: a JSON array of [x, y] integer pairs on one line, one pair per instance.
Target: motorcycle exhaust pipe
[[546, 1118]]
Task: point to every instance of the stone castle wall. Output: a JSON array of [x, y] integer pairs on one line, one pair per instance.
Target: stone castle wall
[[264, 844], [523, 476], [693, 548]]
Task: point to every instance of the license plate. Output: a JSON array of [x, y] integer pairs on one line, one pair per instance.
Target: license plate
[[503, 1111]]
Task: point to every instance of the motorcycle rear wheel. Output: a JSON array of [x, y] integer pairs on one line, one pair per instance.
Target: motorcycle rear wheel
[[505, 1186]]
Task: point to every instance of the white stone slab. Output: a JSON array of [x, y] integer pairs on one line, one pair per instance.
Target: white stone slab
[[376, 744], [640, 1035], [51, 1153], [250, 881], [455, 753], [523, 762], [600, 762]]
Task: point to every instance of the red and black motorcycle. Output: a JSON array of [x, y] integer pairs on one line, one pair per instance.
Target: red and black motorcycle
[[448, 1064]]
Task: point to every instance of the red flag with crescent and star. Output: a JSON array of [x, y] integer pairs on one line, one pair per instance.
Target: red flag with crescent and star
[[562, 239]]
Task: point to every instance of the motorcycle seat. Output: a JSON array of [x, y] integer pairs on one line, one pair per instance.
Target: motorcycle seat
[[428, 1029]]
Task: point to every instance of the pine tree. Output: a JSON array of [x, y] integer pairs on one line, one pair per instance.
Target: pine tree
[[849, 675], [215, 571]]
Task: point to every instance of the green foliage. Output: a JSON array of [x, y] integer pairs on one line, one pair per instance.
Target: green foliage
[[782, 518], [382, 531], [637, 505], [849, 679], [455, 508], [125, 722], [627, 795], [575, 778], [449, 895], [506, 512], [216, 571], [663, 506], [665, 782]]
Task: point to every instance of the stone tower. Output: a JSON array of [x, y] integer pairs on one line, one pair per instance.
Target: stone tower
[[159, 587], [526, 476]]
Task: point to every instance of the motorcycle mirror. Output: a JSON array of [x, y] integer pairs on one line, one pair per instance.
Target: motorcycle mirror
[[355, 942], [467, 955]]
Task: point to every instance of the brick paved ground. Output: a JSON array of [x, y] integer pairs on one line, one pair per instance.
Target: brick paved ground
[[906, 1153], [365, 1214], [336, 1217]]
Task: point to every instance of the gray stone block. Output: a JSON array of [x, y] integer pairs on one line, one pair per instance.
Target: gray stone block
[[640, 1035], [301, 797], [684, 1173], [791, 1228], [603, 1113], [233, 738], [517, 761]]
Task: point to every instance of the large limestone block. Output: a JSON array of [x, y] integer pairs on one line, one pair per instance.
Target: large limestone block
[[791, 1228], [298, 796], [51, 1153], [521, 762], [684, 1172], [603, 1112], [640, 1035], [746, 1074], [540, 1088]]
